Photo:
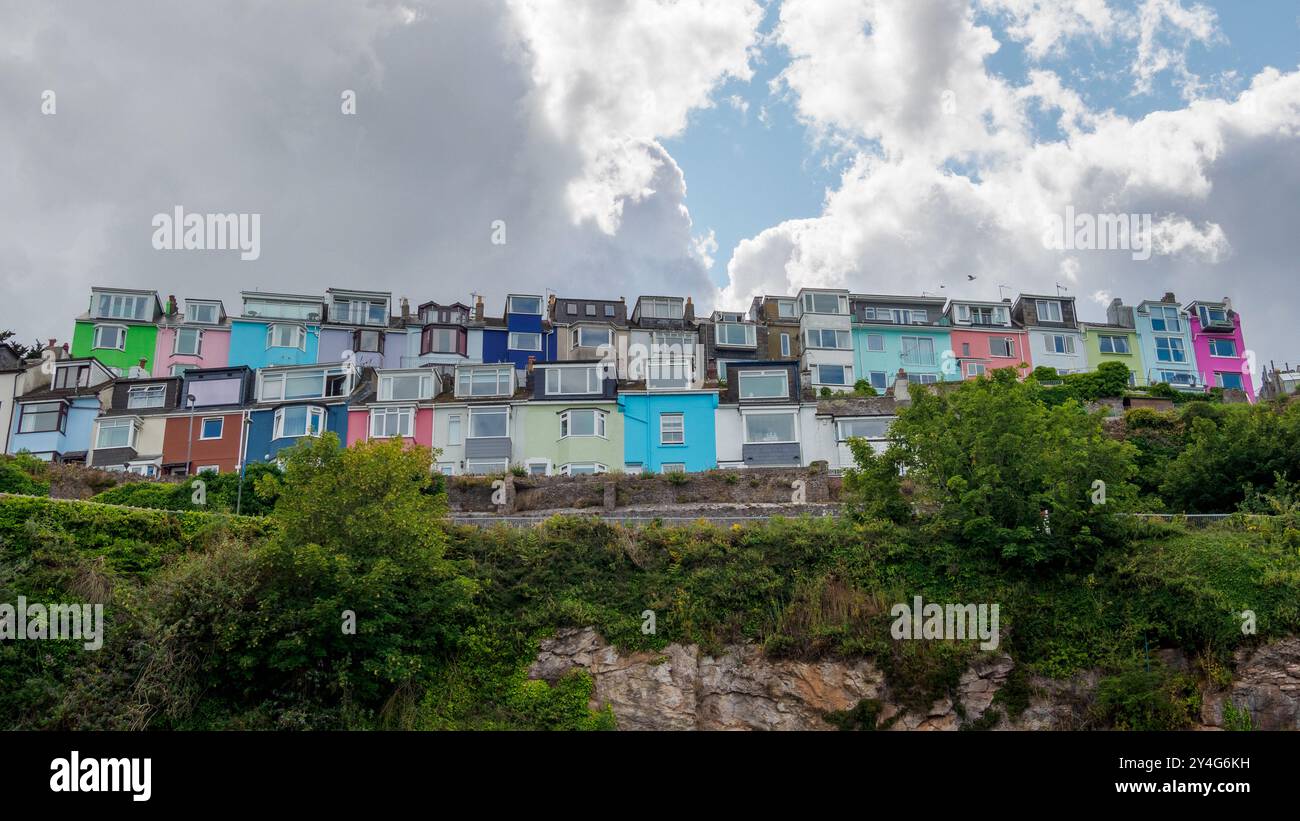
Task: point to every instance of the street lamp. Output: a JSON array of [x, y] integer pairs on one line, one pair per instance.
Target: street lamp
[[243, 465], [189, 445]]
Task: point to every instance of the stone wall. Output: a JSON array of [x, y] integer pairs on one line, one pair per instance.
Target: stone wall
[[681, 688]]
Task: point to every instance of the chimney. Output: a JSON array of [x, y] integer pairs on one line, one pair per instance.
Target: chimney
[[532, 360], [901, 395], [172, 305], [143, 363], [689, 313], [66, 354], [406, 310], [478, 309], [550, 305], [1118, 314], [1169, 297]]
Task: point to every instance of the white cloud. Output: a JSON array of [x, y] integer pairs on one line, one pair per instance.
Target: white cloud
[[1046, 26]]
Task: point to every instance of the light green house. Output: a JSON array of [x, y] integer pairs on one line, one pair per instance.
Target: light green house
[[1104, 342], [120, 329], [569, 438]]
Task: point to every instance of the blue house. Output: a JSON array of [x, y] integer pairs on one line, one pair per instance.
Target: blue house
[[522, 333], [298, 401], [666, 431], [54, 420], [1164, 333], [276, 330]]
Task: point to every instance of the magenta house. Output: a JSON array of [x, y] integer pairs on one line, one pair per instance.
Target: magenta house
[[1219, 346]]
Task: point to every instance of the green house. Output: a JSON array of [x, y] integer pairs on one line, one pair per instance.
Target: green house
[[1105, 342], [120, 329]]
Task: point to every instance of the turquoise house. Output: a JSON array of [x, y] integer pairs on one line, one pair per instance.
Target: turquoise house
[[923, 352], [1165, 339], [667, 431], [276, 330]]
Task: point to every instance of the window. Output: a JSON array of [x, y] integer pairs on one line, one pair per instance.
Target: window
[[72, 376], [525, 305], [875, 342], [669, 374], [520, 341], [1059, 343], [785, 344], [368, 341], [1223, 347], [672, 429], [538, 467], [441, 340], [115, 433], [923, 378], [582, 469], [453, 429], [1004, 346], [588, 337], [278, 309], [305, 384], [1049, 310], [110, 337], [299, 420], [1213, 315], [819, 303], [571, 309], [279, 335], [673, 467], [122, 306], [917, 350], [146, 396], [481, 466], [865, 428], [982, 315], [975, 369], [1229, 380], [734, 335], [561, 381], [769, 428], [1165, 318], [591, 309], [405, 387], [491, 381], [832, 374], [583, 422], [390, 422], [829, 338], [143, 470], [204, 313], [661, 308], [965, 349], [877, 379], [489, 423], [785, 308], [609, 311], [188, 341], [42, 417], [1113, 344], [1170, 349], [207, 469], [764, 384], [212, 427], [177, 370], [360, 311], [909, 316]]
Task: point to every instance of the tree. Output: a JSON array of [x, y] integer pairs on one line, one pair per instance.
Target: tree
[[23, 351], [1007, 474]]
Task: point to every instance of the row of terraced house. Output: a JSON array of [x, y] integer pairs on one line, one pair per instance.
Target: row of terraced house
[[557, 385]]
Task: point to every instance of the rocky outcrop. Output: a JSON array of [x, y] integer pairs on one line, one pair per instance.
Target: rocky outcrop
[[681, 688]]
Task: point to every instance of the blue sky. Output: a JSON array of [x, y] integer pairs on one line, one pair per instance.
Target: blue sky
[[745, 174]]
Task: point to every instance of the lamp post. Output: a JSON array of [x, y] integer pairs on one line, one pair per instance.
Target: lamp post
[[189, 445], [243, 465]]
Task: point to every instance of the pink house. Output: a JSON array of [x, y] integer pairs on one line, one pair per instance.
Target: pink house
[[366, 422], [198, 338], [984, 338], [1219, 347]]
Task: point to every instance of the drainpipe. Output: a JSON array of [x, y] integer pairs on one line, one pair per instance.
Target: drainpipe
[[245, 421]]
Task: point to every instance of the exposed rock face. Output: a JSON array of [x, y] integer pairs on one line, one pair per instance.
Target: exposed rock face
[[681, 688]]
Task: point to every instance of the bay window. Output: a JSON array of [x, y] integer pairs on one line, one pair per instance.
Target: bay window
[[582, 422], [390, 422], [299, 420], [282, 335], [115, 433], [769, 428]]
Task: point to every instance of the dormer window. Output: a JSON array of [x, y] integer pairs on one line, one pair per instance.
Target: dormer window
[[492, 380], [586, 336], [1214, 316], [525, 305], [405, 387], [122, 306], [360, 311], [572, 309], [734, 335], [662, 308], [786, 309], [1166, 318], [146, 396], [299, 420], [1049, 310], [283, 309], [982, 314], [609, 311], [72, 376], [202, 313], [282, 335], [110, 337], [823, 303], [316, 383], [584, 380]]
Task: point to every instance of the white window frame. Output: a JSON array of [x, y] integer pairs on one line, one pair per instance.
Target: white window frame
[[555, 381], [114, 424], [1053, 306], [155, 396], [810, 303], [846, 369], [97, 342], [1011, 347], [578, 339], [203, 424], [840, 435], [1103, 339], [794, 416], [976, 368], [545, 464], [475, 413], [1218, 380], [599, 424], [516, 338], [876, 343], [191, 307], [300, 334], [198, 342], [884, 379], [493, 465], [1165, 312], [505, 375], [139, 306], [1231, 342], [903, 350], [597, 468], [207, 468], [821, 339], [748, 332], [792, 304], [672, 467], [785, 344], [405, 421], [671, 308], [510, 304], [315, 414], [676, 428], [1175, 346], [1205, 311], [1067, 346], [423, 393], [753, 374], [455, 434]]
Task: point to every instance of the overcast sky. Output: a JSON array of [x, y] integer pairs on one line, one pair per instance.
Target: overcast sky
[[713, 148]]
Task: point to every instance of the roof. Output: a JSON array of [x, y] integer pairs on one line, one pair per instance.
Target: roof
[[858, 406]]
